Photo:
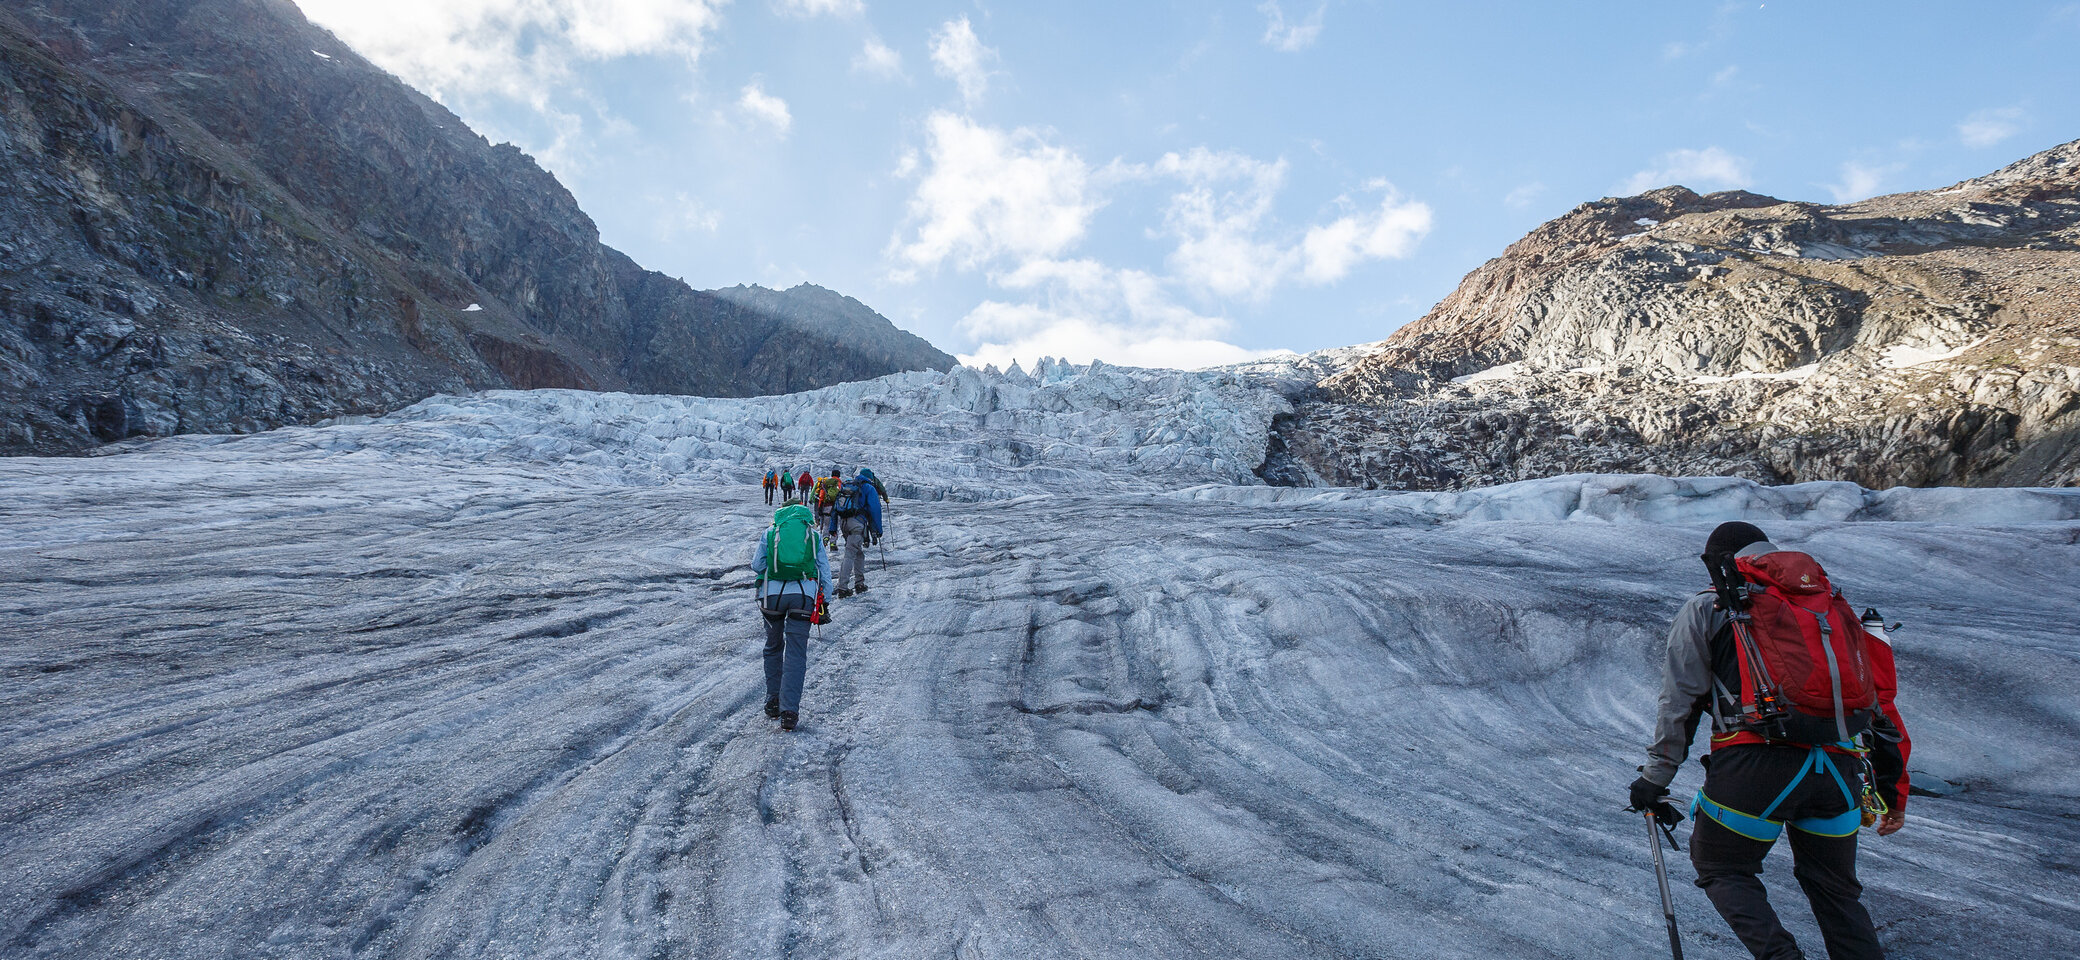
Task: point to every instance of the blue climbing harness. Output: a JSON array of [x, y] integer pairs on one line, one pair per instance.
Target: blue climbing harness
[[1761, 827]]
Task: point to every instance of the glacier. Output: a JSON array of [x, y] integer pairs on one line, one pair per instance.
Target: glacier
[[480, 679]]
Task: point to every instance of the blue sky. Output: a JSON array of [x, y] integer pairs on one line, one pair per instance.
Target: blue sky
[[1179, 184]]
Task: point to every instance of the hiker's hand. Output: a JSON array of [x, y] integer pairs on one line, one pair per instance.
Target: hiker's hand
[[1646, 794], [1890, 823]]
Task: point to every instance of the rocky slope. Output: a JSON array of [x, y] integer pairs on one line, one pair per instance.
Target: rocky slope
[[1920, 338], [216, 217]]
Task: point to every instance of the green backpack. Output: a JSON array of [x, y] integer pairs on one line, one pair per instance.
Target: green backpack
[[791, 545]]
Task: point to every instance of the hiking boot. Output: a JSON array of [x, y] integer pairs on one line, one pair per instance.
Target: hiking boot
[[787, 719], [843, 593], [772, 708], [862, 588]]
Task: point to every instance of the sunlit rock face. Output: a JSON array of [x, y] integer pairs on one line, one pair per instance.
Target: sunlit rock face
[[1918, 338]]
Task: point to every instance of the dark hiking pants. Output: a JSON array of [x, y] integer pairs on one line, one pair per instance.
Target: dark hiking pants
[[1729, 865], [787, 648]]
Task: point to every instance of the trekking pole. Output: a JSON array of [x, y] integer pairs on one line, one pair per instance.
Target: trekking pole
[[1668, 903]]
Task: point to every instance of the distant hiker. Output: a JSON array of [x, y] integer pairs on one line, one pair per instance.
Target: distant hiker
[[856, 516], [791, 562], [787, 486], [826, 496], [771, 481], [1804, 735]]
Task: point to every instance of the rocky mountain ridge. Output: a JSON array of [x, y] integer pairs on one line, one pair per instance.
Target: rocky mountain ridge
[[217, 217], [1925, 338]]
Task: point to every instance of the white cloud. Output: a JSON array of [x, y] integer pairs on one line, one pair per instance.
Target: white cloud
[[1290, 37], [818, 8], [683, 214], [1708, 169], [988, 194], [877, 59], [959, 56], [765, 108], [1988, 127], [1229, 246], [1388, 233], [1217, 218], [1094, 312], [1859, 181], [516, 48], [1522, 196], [1016, 206]]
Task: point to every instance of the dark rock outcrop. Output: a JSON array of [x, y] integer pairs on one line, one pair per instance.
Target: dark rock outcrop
[[216, 217], [1920, 338]]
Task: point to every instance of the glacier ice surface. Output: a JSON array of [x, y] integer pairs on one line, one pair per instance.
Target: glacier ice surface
[[480, 679]]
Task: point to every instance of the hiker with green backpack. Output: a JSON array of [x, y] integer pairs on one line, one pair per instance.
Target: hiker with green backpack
[[794, 574]]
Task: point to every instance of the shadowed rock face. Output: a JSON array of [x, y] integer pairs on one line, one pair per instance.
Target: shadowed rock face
[[1919, 338], [207, 226]]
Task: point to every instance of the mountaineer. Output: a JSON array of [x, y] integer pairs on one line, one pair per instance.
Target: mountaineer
[[856, 516], [1805, 736], [790, 560]]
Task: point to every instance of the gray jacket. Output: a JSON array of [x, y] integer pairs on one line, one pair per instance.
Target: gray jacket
[[1686, 681]]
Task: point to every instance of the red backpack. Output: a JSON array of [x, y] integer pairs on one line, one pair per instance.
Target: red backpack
[[1805, 675]]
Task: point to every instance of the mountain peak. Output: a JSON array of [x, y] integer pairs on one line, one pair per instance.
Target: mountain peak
[[243, 225], [1929, 337]]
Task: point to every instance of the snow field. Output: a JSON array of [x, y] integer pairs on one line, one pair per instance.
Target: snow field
[[481, 680]]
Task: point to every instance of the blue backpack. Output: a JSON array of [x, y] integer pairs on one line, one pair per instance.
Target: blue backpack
[[852, 499]]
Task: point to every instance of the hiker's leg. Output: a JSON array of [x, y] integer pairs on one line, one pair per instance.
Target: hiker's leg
[[1729, 869], [774, 646], [856, 552], [797, 659], [1826, 868], [855, 575]]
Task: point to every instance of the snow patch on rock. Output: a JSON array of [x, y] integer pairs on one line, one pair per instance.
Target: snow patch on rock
[[1795, 373], [1904, 355], [1503, 372]]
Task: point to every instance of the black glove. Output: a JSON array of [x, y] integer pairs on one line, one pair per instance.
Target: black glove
[[1646, 795]]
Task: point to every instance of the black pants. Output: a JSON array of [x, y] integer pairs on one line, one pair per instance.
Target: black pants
[[1729, 866], [769, 496]]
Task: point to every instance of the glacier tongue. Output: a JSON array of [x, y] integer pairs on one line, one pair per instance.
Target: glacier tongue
[[965, 433], [480, 679]]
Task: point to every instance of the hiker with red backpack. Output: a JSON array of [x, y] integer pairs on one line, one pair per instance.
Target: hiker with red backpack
[[791, 562], [1805, 736]]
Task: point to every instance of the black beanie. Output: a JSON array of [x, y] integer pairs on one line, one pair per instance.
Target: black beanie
[[1731, 536]]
